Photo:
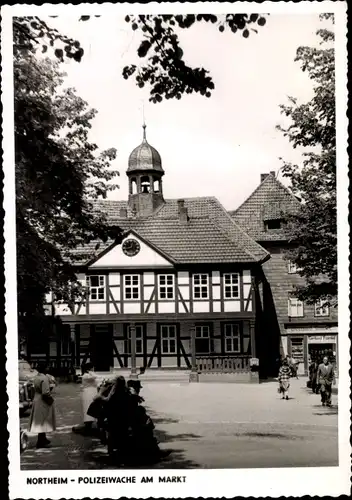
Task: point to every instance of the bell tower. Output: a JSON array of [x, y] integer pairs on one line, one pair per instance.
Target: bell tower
[[144, 174]]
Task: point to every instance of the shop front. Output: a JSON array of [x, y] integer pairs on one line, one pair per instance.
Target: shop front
[[307, 344]]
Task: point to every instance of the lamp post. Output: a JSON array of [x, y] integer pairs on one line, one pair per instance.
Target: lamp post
[[133, 351], [194, 372]]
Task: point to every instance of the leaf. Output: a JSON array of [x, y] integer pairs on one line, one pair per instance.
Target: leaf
[[59, 53], [144, 48], [84, 18]]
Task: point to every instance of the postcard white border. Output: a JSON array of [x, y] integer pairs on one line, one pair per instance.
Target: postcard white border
[[331, 481]]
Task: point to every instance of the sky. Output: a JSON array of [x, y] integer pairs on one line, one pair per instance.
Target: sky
[[214, 146]]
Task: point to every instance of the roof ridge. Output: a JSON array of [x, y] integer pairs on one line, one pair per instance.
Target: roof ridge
[[250, 196], [242, 231]]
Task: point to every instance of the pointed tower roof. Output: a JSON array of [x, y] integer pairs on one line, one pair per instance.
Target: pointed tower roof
[[144, 157]]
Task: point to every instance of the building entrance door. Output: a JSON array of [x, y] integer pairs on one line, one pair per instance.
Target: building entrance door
[[102, 347]]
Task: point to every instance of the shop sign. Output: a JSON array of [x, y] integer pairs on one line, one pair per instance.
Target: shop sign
[[312, 330], [321, 339]]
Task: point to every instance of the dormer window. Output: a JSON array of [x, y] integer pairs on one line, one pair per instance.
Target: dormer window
[[273, 224]]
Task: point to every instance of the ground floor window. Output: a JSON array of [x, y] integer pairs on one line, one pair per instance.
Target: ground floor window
[[168, 339], [202, 333], [232, 342], [139, 338], [297, 349]]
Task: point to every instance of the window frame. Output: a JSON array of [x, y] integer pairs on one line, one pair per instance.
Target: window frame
[[101, 287], [269, 221], [232, 337], [131, 287], [166, 286], [168, 339], [231, 285], [318, 306], [202, 337], [139, 338], [200, 286], [289, 309]]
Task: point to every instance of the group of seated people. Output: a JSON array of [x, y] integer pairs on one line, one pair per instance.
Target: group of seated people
[[124, 423]]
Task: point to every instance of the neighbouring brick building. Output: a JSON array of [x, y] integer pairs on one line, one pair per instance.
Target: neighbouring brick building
[[299, 329]]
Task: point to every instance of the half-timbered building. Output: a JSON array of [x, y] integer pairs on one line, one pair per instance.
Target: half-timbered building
[[177, 292]]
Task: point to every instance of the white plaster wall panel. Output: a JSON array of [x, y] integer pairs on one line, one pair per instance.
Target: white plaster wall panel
[[150, 344], [114, 278], [118, 329], [187, 304], [82, 310], [184, 291], [151, 309], [97, 308], [216, 292], [246, 276], [166, 307], [249, 306], [232, 306], [199, 307], [183, 277], [53, 348], [148, 278], [112, 307], [154, 363], [169, 362], [120, 345], [116, 293], [133, 308], [146, 257], [216, 307], [245, 344], [147, 292], [246, 291], [181, 308], [216, 277], [217, 346], [62, 310]]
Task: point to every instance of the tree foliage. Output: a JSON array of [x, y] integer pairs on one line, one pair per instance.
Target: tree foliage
[[57, 170], [312, 127], [164, 67]]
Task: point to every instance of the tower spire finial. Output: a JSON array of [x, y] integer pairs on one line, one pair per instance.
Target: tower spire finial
[[144, 125]]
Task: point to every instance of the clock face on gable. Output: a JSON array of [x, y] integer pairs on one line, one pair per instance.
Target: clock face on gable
[[130, 247]]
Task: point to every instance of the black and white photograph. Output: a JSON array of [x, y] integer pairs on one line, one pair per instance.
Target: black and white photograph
[[176, 249]]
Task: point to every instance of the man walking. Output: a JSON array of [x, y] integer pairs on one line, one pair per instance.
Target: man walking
[[325, 377]]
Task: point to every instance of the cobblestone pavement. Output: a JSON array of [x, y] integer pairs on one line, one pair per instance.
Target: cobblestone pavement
[[207, 426]]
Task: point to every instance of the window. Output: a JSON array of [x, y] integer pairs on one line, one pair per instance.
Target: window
[[321, 308], [168, 339], [292, 268], [273, 224], [200, 286], [139, 338], [166, 286], [96, 286], [297, 349], [231, 287], [131, 287], [232, 338], [295, 307], [202, 333]]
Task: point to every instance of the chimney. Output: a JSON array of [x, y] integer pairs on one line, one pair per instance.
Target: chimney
[[273, 173], [123, 213], [263, 177], [182, 212]]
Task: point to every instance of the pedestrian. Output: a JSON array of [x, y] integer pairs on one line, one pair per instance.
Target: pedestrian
[[89, 389], [42, 418], [325, 378], [313, 370], [284, 379]]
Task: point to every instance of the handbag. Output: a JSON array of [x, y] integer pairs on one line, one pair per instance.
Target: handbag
[[48, 399]]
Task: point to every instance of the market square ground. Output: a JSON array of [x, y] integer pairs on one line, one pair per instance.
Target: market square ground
[[207, 426]]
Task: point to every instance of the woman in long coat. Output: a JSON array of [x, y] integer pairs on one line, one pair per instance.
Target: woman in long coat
[[89, 392], [284, 379], [42, 418]]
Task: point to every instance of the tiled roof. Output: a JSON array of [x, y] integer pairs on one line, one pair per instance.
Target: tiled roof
[[210, 236], [270, 201]]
